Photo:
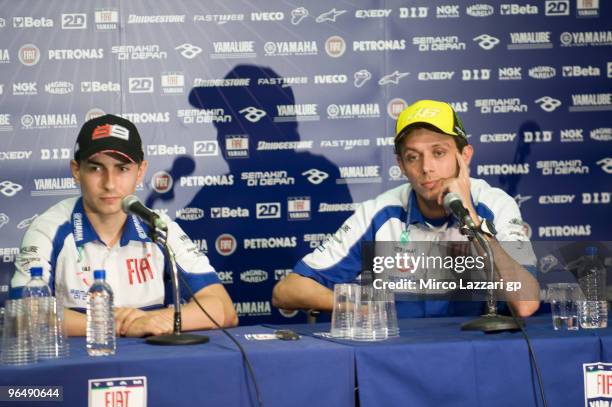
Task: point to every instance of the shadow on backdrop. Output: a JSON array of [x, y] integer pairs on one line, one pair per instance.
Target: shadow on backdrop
[[265, 217]]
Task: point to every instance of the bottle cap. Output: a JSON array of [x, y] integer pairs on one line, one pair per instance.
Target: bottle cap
[[99, 274], [591, 251], [36, 271]]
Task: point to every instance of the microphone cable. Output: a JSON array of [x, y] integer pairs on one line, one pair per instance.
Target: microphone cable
[[243, 353], [531, 355]]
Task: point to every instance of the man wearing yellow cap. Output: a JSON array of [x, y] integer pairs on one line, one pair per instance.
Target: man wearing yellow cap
[[433, 153]]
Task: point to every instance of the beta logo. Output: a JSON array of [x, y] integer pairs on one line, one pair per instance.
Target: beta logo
[[162, 182], [225, 212], [225, 244]]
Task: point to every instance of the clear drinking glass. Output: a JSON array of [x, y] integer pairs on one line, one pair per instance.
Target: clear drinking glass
[[564, 298]]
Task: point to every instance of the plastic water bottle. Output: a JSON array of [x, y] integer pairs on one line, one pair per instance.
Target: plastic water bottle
[[36, 294], [592, 279], [100, 317]]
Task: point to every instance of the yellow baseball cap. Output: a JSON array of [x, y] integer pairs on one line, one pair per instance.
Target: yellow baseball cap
[[438, 114]]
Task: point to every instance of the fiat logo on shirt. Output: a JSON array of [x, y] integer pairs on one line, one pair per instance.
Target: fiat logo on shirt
[[225, 244]]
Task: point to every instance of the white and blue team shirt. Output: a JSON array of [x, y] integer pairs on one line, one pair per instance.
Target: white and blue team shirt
[[64, 243], [396, 212]]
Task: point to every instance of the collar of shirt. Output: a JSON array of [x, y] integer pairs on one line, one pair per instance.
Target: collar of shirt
[[416, 216], [83, 231]]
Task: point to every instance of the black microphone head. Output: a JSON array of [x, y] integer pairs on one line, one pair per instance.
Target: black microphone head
[[127, 202], [449, 199]]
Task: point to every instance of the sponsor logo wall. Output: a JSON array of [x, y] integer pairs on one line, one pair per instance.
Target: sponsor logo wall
[[261, 145]]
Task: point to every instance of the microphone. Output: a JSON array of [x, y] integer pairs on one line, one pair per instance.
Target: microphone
[[132, 205], [454, 206]]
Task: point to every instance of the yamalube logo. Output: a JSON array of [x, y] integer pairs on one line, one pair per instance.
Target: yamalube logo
[[254, 276]]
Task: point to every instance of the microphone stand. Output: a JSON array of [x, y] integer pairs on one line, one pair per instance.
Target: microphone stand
[[491, 321], [159, 234]]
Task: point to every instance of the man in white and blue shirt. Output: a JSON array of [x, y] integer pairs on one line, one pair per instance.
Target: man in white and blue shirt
[[433, 153], [79, 235]]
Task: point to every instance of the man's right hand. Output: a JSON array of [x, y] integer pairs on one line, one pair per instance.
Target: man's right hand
[[137, 323]]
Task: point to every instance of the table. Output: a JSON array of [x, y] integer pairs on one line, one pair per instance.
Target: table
[[432, 363], [289, 373]]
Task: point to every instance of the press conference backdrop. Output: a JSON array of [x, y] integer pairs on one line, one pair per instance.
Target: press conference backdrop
[[265, 123]]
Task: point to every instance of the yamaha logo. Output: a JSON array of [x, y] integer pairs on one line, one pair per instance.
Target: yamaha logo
[[225, 244], [335, 46], [161, 182]]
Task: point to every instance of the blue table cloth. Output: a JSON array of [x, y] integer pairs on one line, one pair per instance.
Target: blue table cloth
[[434, 363], [289, 373]]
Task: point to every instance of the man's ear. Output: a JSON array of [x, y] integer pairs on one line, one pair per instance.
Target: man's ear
[[467, 154], [142, 169], [74, 169]]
